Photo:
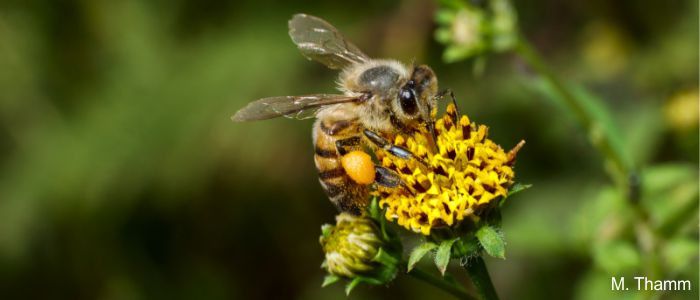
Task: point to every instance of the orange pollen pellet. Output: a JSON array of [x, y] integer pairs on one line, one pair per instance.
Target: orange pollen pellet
[[359, 166]]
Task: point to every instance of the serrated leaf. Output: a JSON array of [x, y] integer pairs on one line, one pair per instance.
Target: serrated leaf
[[492, 241], [329, 279], [418, 253], [351, 285], [443, 255]]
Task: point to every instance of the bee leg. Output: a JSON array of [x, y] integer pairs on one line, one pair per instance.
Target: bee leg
[[343, 145], [455, 116], [388, 146], [386, 177]]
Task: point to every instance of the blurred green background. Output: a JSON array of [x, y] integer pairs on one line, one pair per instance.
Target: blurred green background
[[122, 177]]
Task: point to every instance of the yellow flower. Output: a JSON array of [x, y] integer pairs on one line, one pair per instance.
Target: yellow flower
[[463, 178]]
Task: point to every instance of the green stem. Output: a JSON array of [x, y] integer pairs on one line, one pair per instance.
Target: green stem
[[481, 279], [441, 283], [647, 239], [602, 142]]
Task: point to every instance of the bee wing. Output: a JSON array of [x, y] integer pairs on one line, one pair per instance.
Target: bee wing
[[297, 107], [320, 41]]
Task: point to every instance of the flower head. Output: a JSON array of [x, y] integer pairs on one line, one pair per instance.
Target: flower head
[[350, 245], [471, 29], [466, 175]]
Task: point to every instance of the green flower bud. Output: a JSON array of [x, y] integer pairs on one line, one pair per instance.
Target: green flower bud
[[469, 30], [351, 245]]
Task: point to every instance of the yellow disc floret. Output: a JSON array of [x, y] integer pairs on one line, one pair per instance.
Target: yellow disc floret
[[440, 189]]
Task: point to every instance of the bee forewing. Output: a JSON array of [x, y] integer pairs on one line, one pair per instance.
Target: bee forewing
[[297, 107], [320, 41]]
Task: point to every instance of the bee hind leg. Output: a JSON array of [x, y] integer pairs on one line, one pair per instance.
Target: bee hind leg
[[388, 146]]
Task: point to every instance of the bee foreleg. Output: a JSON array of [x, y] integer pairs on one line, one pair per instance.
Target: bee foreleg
[[388, 146], [386, 177], [343, 145]]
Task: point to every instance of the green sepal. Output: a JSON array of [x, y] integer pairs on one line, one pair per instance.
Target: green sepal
[[329, 279], [517, 188], [418, 253], [385, 258], [361, 279], [466, 247], [376, 213], [326, 230], [351, 285], [383, 274], [443, 254], [492, 241]]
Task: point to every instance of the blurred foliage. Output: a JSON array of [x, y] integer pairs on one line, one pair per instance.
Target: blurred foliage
[[122, 177]]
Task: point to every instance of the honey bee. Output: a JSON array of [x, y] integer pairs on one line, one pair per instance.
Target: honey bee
[[379, 99]]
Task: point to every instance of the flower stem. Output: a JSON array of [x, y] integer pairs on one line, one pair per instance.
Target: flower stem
[[441, 283], [625, 174], [481, 279], [601, 141]]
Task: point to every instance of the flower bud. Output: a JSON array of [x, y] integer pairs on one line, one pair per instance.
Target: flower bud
[[350, 245]]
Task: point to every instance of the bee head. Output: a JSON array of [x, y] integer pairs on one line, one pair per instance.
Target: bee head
[[416, 98]]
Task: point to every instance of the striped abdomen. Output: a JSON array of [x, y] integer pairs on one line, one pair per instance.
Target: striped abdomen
[[345, 193]]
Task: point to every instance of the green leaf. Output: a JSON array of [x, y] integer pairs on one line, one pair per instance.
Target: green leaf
[[329, 279], [679, 252], [492, 241], [444, 16], [670, 194], [617, 257], [443, 35], [443, 255], [418, 253]]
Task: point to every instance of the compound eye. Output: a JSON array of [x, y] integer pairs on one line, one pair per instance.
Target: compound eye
[[407, 98]]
